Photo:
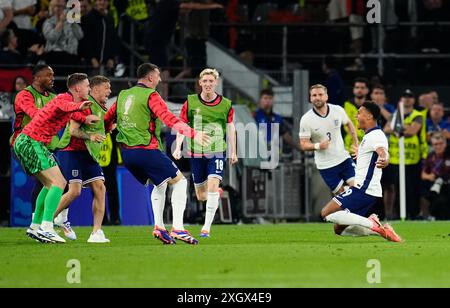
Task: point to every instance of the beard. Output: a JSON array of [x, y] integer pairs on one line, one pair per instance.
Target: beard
[[48, 87], [319, 104]]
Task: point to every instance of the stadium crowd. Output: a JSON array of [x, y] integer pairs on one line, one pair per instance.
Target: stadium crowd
[[35, 30]]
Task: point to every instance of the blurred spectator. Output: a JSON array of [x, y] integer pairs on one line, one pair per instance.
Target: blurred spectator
[[158, 34], [100, 43], [62, 40], [42, 9], [430, 38], [196, 22], [23, 12], [425, 101], [352, 11], [7, 98], [85, 7], [333, 81], [19, 84], [43, 13], [265, 115], [360, 92], [436, 175], [378, 96], [11, 56], [6, 14], [22, 25], [240, 40], [434, 96], [437, 123], [411, 130]]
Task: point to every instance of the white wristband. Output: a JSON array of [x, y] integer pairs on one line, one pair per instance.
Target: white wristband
[[317, 146]]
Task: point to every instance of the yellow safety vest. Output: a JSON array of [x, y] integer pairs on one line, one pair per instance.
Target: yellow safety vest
[[351, 110], [423, 134], [413, 144], [137, 9], [106, 152]]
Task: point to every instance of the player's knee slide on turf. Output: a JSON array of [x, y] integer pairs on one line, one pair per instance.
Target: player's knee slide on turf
[[331, 217]]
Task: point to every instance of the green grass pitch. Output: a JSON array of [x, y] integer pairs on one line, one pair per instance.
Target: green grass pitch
[[283, 255]]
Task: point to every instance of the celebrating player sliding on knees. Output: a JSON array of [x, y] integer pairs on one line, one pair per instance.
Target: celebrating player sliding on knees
[[348, 209]]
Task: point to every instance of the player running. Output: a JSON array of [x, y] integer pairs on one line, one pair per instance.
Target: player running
[[27, 104], [320, 131], [138, 112], [348, 209], [36, 159], [78, 158], [213, 113]]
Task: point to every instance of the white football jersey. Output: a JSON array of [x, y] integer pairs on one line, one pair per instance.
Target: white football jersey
[[368, 176], [318, 128]]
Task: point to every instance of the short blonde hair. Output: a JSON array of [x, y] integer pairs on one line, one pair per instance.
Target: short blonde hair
[[210, 71], [318, 86]]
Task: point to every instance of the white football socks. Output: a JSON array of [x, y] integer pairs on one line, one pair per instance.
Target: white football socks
[[33, 226], [158, 201], [346, 218], [47, 226], [179, 198], [64, 215], [356, 231], [212, 204]]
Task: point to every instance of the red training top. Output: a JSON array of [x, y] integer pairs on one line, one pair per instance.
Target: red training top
[[48, 121], [159, 110]]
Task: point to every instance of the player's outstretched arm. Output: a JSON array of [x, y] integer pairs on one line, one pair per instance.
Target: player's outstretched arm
[[178, 146], [75, 131], [159, 107], [80, 117]]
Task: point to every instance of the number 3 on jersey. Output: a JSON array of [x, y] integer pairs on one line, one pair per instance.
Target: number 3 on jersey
[[329, 136]]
